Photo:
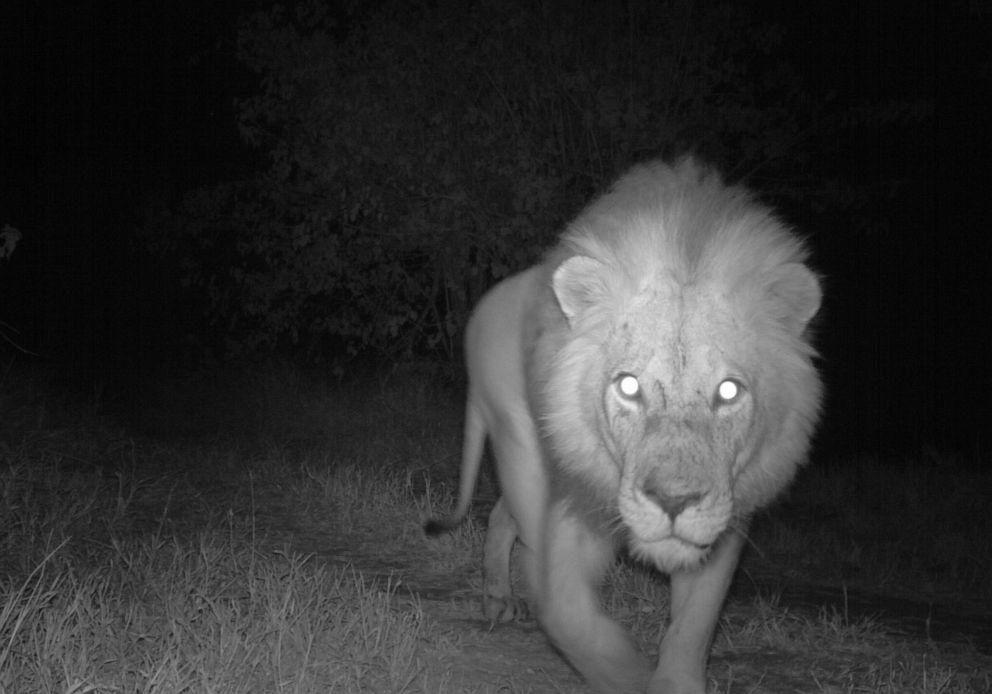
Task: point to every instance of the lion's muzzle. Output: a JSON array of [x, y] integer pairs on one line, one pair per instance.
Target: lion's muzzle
[[672, 504], [676, 507]]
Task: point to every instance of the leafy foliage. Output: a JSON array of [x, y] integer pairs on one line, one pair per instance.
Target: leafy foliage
[[9, 238], [418, 152]]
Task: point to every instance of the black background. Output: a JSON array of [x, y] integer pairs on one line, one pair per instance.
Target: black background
[[102, 102]]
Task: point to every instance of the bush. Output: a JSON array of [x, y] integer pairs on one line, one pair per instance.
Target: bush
[[418, 152]]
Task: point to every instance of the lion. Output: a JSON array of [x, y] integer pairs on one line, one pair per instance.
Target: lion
[[650, 384]]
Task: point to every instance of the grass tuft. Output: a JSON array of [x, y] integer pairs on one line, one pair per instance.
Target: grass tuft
[[295, 560]]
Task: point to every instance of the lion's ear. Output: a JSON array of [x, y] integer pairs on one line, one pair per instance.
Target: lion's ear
[[578, 284], [797, 291]]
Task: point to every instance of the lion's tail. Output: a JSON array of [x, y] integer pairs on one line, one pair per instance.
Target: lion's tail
[[475, 438]]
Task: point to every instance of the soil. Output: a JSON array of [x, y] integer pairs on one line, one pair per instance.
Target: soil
[[487, 654]]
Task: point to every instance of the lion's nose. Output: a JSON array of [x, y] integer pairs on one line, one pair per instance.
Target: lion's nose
[[671, 504]]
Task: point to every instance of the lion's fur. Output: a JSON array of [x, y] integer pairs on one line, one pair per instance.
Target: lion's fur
[[684, 224], [686, 284]]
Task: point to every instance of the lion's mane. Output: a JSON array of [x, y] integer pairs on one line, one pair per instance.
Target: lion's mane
[[682, 223]]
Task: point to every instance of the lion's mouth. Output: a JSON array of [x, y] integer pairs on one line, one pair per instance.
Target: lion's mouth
[[696, 545], [672, 537], [689, 544], [670, 553]]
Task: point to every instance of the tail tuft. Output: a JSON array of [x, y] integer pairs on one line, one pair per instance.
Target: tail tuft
[[433, 527]]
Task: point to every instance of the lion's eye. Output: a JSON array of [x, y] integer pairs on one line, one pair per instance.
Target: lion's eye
[[728, 392], [628, 386]]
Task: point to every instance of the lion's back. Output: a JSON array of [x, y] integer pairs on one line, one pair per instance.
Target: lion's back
[[499, 334]]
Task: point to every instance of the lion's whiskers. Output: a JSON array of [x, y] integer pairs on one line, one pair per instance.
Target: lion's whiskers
[[741, 528]]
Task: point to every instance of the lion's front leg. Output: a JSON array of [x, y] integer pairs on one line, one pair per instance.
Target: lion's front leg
[[697, 597], [574, 561]]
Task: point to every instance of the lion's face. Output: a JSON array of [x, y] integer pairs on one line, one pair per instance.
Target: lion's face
[[680, 391], [676, 408]]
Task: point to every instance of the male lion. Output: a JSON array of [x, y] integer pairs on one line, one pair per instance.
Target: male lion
[[650, 383]]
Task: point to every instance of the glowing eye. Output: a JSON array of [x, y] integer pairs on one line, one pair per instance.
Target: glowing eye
[[629, 386], [728, 391]]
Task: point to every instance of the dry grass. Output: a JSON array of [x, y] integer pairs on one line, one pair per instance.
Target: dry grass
[[917, 528], [220, 564], [94, 602]]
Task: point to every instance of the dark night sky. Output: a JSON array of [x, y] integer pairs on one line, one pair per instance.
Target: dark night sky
[[105, 102]]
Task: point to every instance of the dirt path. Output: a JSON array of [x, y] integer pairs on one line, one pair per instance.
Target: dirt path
[[503, 658], [518, 658]]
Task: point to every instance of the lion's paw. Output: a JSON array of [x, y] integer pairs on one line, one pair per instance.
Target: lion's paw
[[508, 608]]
